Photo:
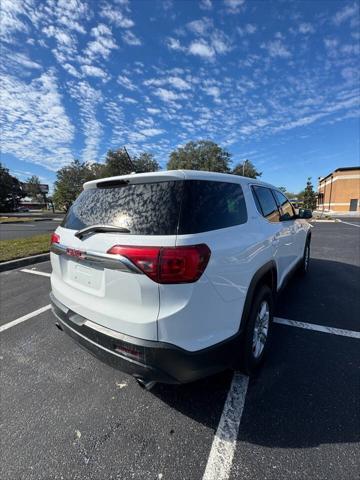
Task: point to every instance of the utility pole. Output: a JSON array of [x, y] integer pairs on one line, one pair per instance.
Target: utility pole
[[244, 168]]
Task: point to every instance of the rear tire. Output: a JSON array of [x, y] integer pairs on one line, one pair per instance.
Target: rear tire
[[257, 332], [305, 262]]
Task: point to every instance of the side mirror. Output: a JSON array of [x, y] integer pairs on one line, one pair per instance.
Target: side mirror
[[305, 213]]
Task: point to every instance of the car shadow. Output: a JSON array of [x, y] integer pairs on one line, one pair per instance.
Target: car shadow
[[307, 392]]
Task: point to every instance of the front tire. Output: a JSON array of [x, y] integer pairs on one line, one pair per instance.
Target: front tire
[[257, 331]]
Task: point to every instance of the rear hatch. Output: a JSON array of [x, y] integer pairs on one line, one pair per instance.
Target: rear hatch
[[141, 210]]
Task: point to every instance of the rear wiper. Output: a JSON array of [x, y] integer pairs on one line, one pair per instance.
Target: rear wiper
[[100, 229]]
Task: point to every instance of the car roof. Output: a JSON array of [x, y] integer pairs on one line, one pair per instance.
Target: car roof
[[167, 175]]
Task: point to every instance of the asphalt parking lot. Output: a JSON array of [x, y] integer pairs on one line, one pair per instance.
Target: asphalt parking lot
[[67, 416], [9, 231]]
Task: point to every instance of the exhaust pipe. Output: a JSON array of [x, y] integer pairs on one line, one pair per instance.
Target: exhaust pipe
[[147, 385], [57, 324]]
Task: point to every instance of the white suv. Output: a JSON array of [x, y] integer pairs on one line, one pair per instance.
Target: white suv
[[172, 276]]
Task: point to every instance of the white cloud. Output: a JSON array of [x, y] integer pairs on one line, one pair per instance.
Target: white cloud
[[200, 27], [174, 81], [72, 70], [346, 13], [103, 43], [331, 43], [93, 71], [174, 44], [22, 60], [130, 38], [125, 82], [35, 126], [168, 95], [276, 48], [151, 132], [62, 37], [124, 99], [206, 4], [115, 16], [213, 91], [306, 28], [11, 10], [88, 99], [201, 49], [247, 29], [153, 111], [220, 42], [179, 83], [233, 6]]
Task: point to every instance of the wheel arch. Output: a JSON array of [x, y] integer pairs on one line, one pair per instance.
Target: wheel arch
[[266, 275]]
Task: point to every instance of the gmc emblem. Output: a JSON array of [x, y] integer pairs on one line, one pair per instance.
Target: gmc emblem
[[72, 252]]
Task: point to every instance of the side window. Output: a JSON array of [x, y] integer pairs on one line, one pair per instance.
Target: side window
[[209, 205], [265, 203], [286, 208]]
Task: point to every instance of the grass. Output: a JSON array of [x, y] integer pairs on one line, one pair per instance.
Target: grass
[[15, 219], [23, 247]]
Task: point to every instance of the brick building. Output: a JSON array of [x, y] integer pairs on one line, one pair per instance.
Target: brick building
[[340, 190]]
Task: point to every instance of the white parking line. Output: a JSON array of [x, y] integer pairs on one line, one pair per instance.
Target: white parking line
[[24, 317], [317, 328], [224, 444], [223, 448], [348, 223], [36, 272]]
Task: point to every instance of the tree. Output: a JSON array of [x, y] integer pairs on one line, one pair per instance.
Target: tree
[[117, 163], [69, 182], [32, 188], [10, 191], [300, 195], [146, 162], [287, 194], [201, 155], [309, 195], [246, 169]]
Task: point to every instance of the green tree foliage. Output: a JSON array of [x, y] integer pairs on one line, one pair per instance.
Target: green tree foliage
[[289, 195], [10, 191], [145, 162], [117, 162], [32, 188], [246, 169], [70, 179], [309, 195], [201, 155], [69, 182]]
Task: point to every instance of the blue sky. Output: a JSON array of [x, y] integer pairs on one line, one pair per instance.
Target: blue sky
[[276, 82]]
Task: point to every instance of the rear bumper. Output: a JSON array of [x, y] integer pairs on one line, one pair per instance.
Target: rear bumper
[[144, 359]]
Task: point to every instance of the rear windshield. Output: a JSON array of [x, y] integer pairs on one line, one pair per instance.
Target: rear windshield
[[145, 209], [162, 208]]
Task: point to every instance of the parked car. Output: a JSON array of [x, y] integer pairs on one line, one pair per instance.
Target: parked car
[[172, 276]]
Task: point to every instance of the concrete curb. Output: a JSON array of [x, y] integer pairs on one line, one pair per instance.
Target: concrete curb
[[28, 221], [23, 262]]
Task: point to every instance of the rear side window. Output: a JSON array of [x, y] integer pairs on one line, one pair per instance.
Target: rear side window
[[265, 203], [145, 209], [211, 206], [287, 210]]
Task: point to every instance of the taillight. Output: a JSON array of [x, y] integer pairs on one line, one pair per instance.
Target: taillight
[[55, 238], [167, 264]]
